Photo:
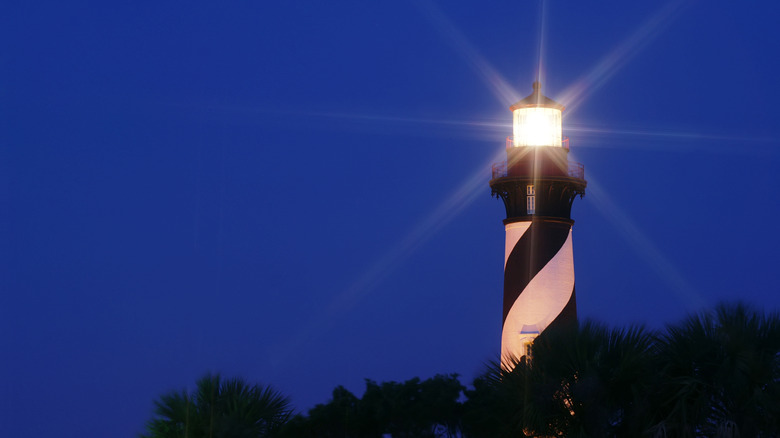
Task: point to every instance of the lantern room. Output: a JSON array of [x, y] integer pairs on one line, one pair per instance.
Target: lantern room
[[536, 121]]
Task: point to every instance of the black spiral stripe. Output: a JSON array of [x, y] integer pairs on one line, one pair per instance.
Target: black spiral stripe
[[538, 245]]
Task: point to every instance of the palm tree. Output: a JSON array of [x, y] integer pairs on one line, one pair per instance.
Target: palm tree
[[590, 380], [583, 381], [721, 374], [496, 406], [219, 408]]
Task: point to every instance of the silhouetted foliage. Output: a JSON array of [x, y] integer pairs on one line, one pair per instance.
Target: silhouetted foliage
[[588, 380], [219, 409], [413, 408], [720, 374], [713, 375]]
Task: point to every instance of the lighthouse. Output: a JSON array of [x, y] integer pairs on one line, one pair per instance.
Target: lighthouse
[[538, 185]]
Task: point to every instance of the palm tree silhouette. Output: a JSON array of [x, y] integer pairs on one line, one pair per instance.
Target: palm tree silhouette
[[219, 409], [721, 374]]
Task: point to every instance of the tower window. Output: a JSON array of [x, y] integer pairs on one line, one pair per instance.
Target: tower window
[[530, 199]]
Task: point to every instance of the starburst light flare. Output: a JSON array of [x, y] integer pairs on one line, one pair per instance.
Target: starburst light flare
[[610, 64], [644, 247]]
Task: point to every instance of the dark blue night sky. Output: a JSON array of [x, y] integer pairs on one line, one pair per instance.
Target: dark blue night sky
[[297, 192]]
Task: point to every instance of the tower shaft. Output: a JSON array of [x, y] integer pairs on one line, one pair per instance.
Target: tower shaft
[[538, 186], [538, 283]]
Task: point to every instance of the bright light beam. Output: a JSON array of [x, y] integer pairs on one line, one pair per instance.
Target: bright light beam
[[500, 127], [501, 89], [619, 57], [444, 213], [644, 247], [712, 144], [429, 121], [540, 68]]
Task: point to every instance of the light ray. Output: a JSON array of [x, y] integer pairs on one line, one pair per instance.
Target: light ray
[[620, 55], [500, 88], [540, 67], [349, 297], [669, 134], [760, 146], [414, 120], [644, 246], [472, 128], [444, 213], [487, 124]]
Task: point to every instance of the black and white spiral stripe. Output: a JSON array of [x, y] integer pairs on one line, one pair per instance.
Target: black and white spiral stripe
[[538, 282]]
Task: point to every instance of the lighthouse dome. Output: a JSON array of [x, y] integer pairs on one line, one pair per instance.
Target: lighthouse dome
[[536, 99], [537, 120]]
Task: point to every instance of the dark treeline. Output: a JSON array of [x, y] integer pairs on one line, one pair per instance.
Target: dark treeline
[[715, 374]]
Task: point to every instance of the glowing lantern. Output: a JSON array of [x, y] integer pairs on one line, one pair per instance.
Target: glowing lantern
[[537, 120]]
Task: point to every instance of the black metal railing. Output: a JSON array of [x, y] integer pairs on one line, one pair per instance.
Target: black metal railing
[[575, 170], [498, 170]]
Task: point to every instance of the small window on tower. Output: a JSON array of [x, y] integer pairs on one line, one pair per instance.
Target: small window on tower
[[530, 199]]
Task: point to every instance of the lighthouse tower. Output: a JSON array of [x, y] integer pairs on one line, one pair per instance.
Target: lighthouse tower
[[538, 185]]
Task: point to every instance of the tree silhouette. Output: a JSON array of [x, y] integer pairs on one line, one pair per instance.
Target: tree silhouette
[[721, 374], [411, 409], [716, 374], [583, 381], [219, 409]]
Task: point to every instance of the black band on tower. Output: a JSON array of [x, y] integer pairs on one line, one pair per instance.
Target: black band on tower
[[533, 251]]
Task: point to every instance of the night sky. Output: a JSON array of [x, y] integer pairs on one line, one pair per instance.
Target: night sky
[[296, 192]]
